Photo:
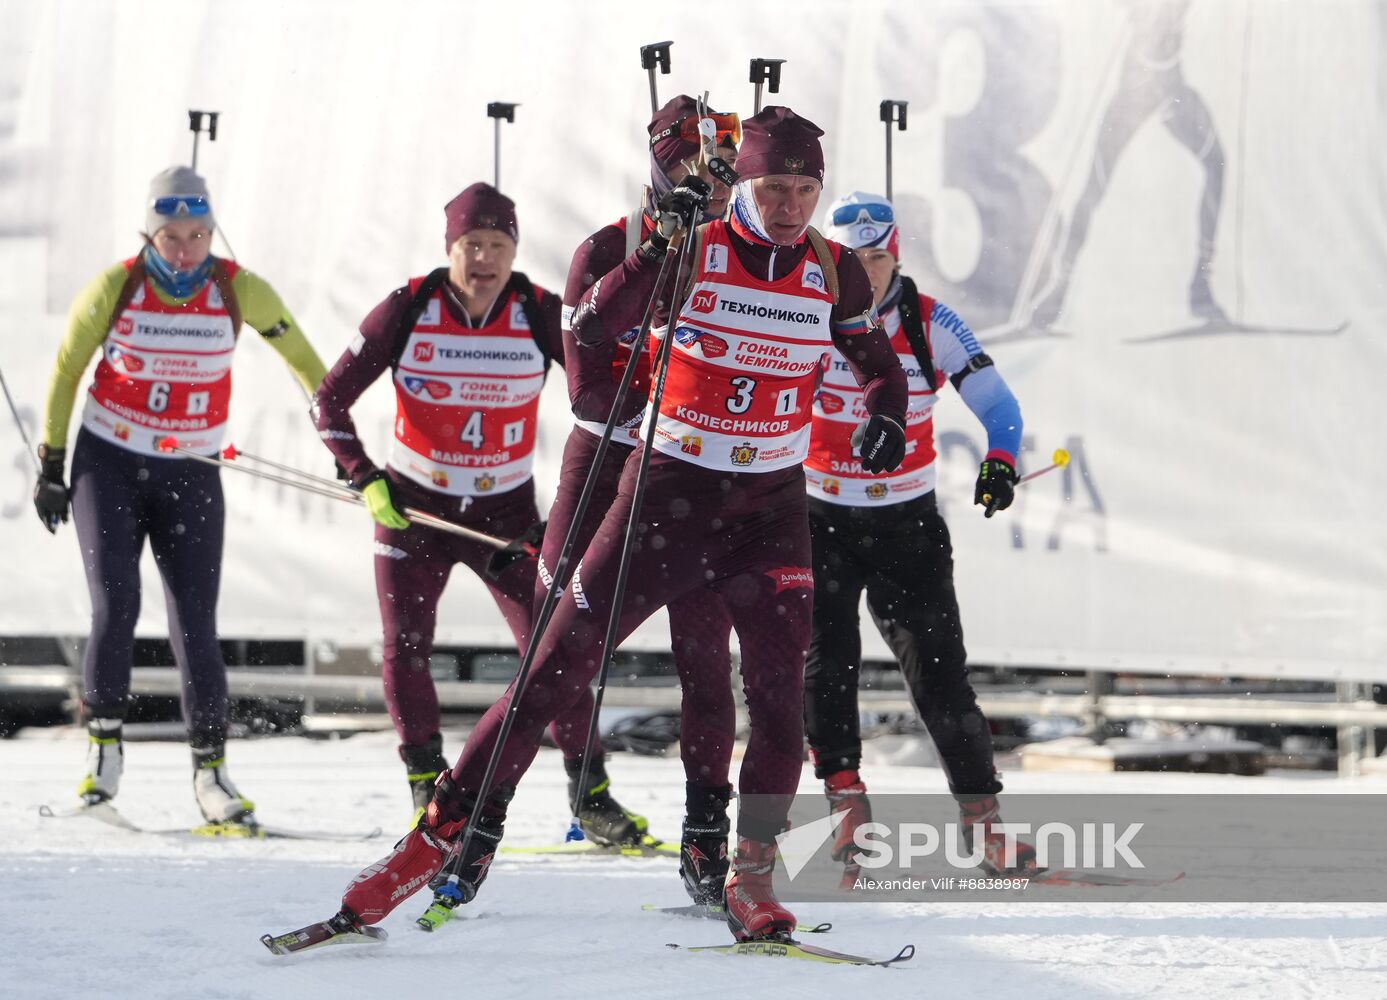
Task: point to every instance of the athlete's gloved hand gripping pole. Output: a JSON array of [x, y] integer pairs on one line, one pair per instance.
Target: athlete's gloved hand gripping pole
[[997, 482], [447, 894], [231, 457]]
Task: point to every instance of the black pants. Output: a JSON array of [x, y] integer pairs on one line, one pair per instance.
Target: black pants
[[120, 498], [902, 557]]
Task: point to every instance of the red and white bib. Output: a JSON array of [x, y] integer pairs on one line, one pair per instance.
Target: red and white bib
[[832, 472], [466, 401], [165, 370], [744, 363]]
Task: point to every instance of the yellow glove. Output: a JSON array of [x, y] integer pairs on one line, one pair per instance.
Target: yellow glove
[[381, 504]]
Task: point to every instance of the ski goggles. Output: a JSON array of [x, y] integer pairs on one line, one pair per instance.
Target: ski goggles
[[848, 215], [182, 205], [729, 126]]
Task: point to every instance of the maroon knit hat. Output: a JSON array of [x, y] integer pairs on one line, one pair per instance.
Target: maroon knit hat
[[669, 149], [778, 141], [480, 206]]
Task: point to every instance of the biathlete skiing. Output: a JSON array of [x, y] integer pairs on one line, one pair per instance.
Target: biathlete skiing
[[724, 506]]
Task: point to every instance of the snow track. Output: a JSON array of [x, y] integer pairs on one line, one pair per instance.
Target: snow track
[[87, 910]]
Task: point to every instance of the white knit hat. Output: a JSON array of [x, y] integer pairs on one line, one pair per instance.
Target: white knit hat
[[181, 194]]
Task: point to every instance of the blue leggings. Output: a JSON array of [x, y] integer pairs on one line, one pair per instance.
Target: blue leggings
[[119, 498]]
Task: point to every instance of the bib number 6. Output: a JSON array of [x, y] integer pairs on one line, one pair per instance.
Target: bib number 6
[[158, 397]]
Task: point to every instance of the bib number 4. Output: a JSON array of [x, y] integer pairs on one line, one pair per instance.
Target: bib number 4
[[512, 433]]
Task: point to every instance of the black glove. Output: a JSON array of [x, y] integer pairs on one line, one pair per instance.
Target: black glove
[[996, 486], [682, 208], [880, 443], [50, 492], [527, 546]]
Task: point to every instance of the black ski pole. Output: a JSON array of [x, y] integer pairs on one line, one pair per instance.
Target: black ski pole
[[892, 113], [23, 434], [652, 55], [765, 71], [446, 894], [499, 110], [632, 525], [195, 125]]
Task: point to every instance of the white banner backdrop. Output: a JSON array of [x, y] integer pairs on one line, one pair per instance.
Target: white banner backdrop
[[1166, 221]]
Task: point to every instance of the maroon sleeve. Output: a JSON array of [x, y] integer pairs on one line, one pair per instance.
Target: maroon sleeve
[[869, 355], [368, 355], [551, 308], [616, 290], [591, 388]]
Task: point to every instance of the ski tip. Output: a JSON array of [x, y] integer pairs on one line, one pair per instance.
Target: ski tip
[[46, 811], [904, 955]]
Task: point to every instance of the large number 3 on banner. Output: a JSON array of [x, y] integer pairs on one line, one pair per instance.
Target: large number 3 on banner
[[1018, 58]]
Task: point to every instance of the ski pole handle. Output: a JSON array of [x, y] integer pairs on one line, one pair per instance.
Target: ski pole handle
[[656, 54], [1057, 461], [892, 113], [765, 71], [499, 110]]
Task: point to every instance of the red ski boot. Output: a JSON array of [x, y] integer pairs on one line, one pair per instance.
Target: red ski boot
[[847, 795], [416, 859], [980, 815], [753, 912]]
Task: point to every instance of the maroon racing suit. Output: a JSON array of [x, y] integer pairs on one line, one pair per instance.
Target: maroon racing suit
[[699, 624], [744, 534], [412, 566]]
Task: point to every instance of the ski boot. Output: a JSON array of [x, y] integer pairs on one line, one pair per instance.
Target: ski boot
[[424, 762], [847, 795], [105, 761], [703, 853], [1203, 305], [225, 809], [980, 815], [419, 857], [753, 912], [601, 816]]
